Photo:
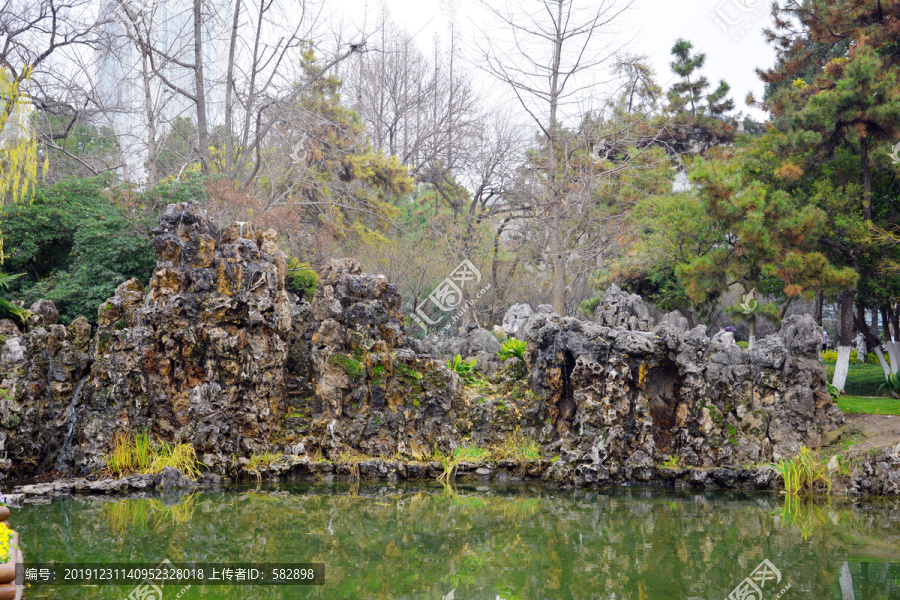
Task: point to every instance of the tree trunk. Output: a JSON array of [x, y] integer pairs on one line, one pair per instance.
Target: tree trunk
[[558, 253], [843, 361], [867, 175], [752, 337], [860, 322], [152, 154], [873, 341], [229, 90], [200, 89], [846, 582], [891, 342], [820, 300]]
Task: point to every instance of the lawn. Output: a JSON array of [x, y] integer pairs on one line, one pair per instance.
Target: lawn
[[869, 406], [862, 380]]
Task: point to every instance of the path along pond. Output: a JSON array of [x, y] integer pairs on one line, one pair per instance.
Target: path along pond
[[385, 541]]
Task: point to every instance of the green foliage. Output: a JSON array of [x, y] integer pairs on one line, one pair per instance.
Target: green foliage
[[261, 461], [767, 243], [743, 344], [513, 348], [301, 279], [79, 143], [673, 462], [518, 446], [176, 151], [832, 390], [8, 310], [588, 306], [76, 246], [353, 366], [464, 368], [700, 116]]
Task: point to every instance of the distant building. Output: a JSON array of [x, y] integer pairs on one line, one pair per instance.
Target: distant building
[[120, 87]]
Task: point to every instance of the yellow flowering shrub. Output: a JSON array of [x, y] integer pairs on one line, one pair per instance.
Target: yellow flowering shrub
[[5, 537]]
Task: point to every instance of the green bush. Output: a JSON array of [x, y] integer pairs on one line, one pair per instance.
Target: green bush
[[831, 357], [75, 246], [744, 345], [300, 280]]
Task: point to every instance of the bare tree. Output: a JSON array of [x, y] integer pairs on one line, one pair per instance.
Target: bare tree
[[230, 67], [553, 47]]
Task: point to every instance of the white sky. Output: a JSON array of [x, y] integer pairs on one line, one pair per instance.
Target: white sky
[[652, 25]]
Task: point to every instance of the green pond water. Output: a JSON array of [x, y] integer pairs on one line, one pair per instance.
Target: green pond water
[[422, 541]]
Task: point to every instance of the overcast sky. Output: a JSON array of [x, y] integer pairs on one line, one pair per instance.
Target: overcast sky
[[652, 26]]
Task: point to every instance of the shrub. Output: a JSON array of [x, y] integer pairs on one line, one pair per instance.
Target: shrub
[[76, 245], [588, 306], [892, 385], [300, 279], [831, 357], [461, 367], [744, 345]]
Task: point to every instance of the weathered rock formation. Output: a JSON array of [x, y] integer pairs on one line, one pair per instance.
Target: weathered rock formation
[[198, 356], [42, 373], [369, 390], [214, 353], [621, 401]]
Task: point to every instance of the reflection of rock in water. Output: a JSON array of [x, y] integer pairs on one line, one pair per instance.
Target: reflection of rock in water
[[396, 541]]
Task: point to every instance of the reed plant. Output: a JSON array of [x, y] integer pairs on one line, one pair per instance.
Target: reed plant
[[140, 453], [805, 472]]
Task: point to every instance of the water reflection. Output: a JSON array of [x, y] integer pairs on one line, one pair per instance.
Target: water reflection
[[420, 541]]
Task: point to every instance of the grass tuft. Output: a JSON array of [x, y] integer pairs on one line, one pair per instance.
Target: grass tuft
[[518, 446], [806, 472], [139, 453]]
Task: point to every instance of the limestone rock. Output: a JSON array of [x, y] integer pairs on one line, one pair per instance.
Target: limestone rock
[[619, 309]]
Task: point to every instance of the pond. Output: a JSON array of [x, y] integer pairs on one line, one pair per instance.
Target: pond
[[390, 541]]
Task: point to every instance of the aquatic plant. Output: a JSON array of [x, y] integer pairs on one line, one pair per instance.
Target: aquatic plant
[[139, 453], [806, 472]]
